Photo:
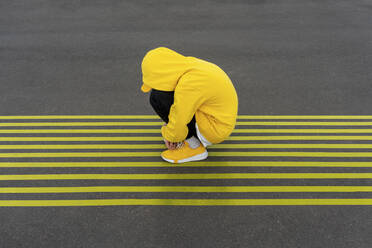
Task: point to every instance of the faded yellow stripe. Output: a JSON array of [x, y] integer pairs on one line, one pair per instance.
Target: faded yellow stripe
[[10, 117], [79, 154], [162, 146], [157, 117], [306, 123], [325, 146], [193, 164], [131, 138], [156, 154], [305, 117], [184, 202], [241, 130], [187, 176], [52, 124], [150, 138], [300, 138], [189, 189], [96, 146], [79, 130]]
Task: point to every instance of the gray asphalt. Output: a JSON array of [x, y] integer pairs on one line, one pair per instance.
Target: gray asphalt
[[285, 57]]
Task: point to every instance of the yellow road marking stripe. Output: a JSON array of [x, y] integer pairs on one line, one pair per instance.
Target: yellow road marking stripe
[[193, 164], [162, 146], [299, 138], [305, 117], [150, 138], [41, 124], [131, 138], [185, 202], [206, 189], [238, 130], [9, 117], [187, 176], [96, 146], [306, 123], [158, 123], [81, 130], [326, 146], [156, 154]]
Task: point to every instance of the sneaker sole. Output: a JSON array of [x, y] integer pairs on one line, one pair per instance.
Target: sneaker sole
[[197, 157]]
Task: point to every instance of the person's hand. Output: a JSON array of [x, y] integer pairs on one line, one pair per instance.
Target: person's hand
[[170, 145]]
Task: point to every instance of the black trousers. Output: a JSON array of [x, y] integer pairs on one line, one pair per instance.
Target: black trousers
[[161, 101]]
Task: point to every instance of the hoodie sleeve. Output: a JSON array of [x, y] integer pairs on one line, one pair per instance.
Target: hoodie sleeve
[[188, 98]]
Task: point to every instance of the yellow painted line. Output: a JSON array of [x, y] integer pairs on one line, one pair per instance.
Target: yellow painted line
[[156, 154], [240, 130], [131, 138], [292, 154], [9, 117], [50, 124], [96, 146], [299, 137], [185, 202], [162, 146], [322, 146], [187, 176], [206, 189], [306, 123], [80, 131], [159, 138], [305, 117], [193, 164], [158, 123], [79, 154]]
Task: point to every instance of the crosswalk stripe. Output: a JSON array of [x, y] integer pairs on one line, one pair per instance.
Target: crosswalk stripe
[[206, 189], [187, 176], [158, 123], [193, 164], [162, 146], [184, 202], [156, 154]]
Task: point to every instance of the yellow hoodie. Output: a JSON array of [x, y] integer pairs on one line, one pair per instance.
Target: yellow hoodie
[[200, 88]]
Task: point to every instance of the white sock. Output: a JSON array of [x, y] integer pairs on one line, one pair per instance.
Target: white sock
[[193, 142]]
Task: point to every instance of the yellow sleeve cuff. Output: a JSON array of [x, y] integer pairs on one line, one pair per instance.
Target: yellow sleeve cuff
[[164, 133]]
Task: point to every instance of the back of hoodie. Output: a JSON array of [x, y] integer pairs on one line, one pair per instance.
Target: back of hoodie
[[200, 88]]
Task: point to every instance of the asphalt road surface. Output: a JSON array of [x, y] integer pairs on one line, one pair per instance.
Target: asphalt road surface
[[284, 57]]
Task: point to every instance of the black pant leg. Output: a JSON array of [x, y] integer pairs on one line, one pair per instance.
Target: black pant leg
[[192, 128], [161, 102]]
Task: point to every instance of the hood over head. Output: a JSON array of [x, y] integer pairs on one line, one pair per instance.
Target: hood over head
[[162, 68]]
